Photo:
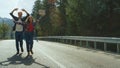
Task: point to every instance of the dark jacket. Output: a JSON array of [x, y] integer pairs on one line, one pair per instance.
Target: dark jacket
[[16, 19]]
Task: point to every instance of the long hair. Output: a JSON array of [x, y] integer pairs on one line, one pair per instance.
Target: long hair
[[27, 20]]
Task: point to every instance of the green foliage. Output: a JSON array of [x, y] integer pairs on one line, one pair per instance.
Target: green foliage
[[37, 6], [79, 17], [92, 17], [4, 28]]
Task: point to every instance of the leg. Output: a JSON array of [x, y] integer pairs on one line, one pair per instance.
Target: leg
[[27, 42], [21, 45], [17, 40], [31, 47], [27, 45], [21, 41], [31, 42]]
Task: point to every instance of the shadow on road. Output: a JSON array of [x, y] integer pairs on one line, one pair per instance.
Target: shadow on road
[[18, 59]]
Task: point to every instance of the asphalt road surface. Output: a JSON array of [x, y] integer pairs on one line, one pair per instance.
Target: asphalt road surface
[[55, 55]]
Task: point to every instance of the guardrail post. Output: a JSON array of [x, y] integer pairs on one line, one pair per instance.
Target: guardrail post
[[75, 42], [66, 41], [87, 44], [59, 40], [105, 47], [62, 40], [118, 48], [70, 41], [95, 45], [56, 40], [80, 43]]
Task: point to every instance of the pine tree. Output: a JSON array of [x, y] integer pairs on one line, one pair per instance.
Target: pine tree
[[37, 6]]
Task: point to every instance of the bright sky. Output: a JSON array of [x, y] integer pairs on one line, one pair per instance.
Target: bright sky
[[6, 6]]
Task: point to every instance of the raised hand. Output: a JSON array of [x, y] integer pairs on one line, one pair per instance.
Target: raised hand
[[23, 10], [15, 9]]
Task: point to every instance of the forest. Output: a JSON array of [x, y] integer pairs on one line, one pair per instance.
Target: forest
[[77, 18]]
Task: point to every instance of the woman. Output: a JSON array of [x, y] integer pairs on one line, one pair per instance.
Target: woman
[[29, 30]]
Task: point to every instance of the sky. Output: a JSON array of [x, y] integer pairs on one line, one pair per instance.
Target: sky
[[6, 6]]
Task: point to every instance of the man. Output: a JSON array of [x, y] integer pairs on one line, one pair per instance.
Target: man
[[19, 27]]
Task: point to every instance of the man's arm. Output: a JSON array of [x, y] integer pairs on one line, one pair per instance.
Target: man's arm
[[24, 18], [14, 17]]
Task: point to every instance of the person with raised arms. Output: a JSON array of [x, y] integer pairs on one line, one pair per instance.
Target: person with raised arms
[[19, 28]]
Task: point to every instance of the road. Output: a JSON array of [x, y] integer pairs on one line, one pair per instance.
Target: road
[[55, 55]]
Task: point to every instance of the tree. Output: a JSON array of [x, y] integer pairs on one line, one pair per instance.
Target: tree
[[37, 6], [80, 17], [4, 28], [62, 8], [35, 13]]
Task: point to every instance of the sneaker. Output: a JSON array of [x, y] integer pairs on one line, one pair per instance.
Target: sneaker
[[28, 54], [17, 53], [22, 50], [31, 52]]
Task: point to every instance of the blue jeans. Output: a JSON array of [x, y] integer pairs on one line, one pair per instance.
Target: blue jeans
[[19, 40], [29, 40]]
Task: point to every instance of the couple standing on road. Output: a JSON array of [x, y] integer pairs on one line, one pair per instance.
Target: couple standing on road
[[23, 25]]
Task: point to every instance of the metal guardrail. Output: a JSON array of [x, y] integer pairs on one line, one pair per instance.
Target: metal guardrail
[[104, 40]]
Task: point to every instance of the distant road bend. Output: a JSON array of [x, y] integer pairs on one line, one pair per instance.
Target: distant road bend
[[55, 55]]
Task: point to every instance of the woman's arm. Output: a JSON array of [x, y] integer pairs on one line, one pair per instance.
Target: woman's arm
[[24, 18]]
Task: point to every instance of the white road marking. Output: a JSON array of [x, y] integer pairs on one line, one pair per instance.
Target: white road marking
[[56, 62]]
